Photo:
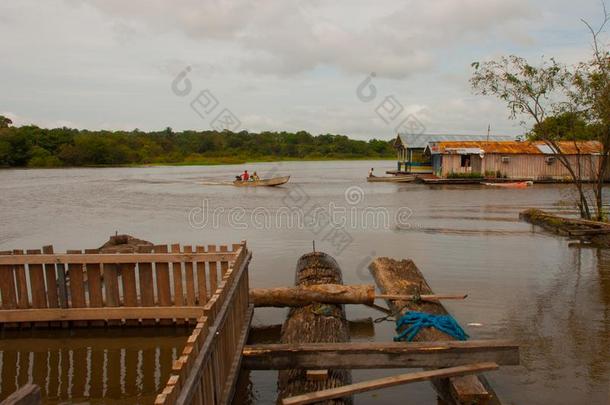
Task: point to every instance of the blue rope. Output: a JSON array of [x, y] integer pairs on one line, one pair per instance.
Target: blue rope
[[417, 320]]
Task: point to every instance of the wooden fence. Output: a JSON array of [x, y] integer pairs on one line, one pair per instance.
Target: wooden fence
[[154, 285], [207, 370]]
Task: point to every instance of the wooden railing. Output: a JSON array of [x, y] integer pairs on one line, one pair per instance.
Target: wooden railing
[[154, 285], [207, 370]]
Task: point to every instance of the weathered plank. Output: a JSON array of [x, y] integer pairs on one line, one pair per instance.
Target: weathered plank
[[28, 394], [164, 297], [51, 279], [367, 355], [8, 292], [37, 285], [404, 278], [20, 278], [106, 313], [114, 258], [146, 284], [94, 282], [213, 270], [224, 264], [202, 289], [385, 382], [189, 278]]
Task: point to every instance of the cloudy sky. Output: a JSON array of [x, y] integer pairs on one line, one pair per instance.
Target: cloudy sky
[[274, 64]]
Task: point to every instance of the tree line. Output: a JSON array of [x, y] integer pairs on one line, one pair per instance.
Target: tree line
[[32, 146]]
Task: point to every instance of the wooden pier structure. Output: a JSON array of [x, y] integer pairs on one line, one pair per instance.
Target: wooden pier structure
[[207, 289]]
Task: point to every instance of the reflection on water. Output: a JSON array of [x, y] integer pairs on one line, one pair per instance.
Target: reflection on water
[[522, 283], [90, 366]]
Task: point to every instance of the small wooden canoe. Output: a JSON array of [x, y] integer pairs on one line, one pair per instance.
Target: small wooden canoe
[[391, 179], [516, 184], [275, 181]]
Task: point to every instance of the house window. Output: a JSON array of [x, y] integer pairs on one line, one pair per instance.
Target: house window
[[465, 161]]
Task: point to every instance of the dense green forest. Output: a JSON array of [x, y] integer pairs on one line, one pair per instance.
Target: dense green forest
[[31, 146]]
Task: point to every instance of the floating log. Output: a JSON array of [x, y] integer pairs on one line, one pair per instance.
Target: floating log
[[385, 382], [403, 277], [330, 294], [377, 355], [315, 323]]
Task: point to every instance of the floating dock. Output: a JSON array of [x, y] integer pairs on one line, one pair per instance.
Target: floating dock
[[207, 289]]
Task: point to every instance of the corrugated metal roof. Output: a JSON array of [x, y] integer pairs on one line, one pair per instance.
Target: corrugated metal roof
[[422, 140], [547, 149], [516, 147]]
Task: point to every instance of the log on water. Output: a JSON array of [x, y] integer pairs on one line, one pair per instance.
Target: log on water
[[307, 294], [403, 277], [331, 294], [315, 323]]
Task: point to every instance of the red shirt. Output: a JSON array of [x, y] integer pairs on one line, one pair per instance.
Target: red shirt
[[245, 176]]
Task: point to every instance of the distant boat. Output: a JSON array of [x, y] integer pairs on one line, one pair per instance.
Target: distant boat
[[516, 184], [275, 181], [391, 179]]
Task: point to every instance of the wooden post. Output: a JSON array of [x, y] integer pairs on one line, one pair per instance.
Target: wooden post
[[7, 288]]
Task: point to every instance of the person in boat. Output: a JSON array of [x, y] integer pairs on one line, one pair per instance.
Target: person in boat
[[371, 173], [254, 177], [245, 176]]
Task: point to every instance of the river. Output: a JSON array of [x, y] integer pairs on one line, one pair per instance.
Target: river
[[523, 284]]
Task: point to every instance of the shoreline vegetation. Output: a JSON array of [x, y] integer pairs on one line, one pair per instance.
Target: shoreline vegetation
[[34, 147]]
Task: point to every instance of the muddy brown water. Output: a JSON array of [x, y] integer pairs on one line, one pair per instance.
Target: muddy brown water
[[523, 284]]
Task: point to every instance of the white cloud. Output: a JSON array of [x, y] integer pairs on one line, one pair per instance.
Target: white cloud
[[277, 64], [287, 37]]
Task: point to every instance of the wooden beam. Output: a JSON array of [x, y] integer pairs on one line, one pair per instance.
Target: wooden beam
[[348, 390], [115, 258], [90, 314], [28, 394], [369, 355]]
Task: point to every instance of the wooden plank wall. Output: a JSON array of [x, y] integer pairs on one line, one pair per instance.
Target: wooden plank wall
[[207, 369], [186, 280]]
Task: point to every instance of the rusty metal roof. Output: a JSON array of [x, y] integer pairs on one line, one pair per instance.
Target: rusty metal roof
[[420, 141], [515, 147]]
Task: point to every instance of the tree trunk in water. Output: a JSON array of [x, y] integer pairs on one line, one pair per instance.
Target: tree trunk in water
[[315, 323]]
